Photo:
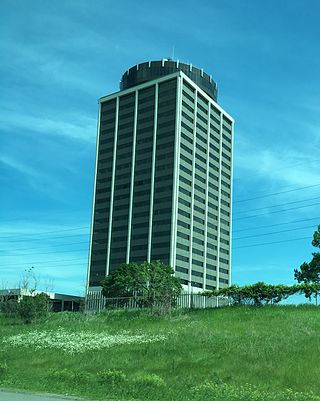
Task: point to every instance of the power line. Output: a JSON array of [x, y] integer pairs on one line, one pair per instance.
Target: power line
[[236, 218], [277, 211], [276, 193], [86, 227], [42, 239], [309, 162], [239, 218], [52, 246], [63, 264], [45, 262], [239, 238], [275, 225], [46, 253], [269, 243], [280, 204], [48, 232], [274, 232]]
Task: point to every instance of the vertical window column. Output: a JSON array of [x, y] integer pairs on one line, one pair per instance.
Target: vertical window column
[[207, 200], [173, 250], [192, 185], [132, 174], [219, 206], [231, 193], [112, 185], [154, 146]]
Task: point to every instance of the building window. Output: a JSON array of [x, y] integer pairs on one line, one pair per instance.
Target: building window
[[182, 269]]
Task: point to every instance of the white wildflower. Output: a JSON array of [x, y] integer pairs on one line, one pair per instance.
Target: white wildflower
[[75, 342]]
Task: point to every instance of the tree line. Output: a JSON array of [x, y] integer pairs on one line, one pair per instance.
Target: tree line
[[263, 294]]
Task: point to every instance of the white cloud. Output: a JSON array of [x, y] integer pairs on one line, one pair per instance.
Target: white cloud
[[80, 127], [283, 165], [21, 167]]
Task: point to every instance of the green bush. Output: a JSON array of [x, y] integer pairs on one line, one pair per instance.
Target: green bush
[[9, 307], [66, 375], [82, 377], [61, 375], [149, 380], [112, 377], [33, 308]]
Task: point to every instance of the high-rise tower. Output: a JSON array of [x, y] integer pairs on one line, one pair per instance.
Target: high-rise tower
[[163, 176]]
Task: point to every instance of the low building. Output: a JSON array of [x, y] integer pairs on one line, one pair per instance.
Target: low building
[[58, 302]]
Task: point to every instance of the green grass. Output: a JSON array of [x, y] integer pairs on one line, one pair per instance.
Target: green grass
[[227, 354]]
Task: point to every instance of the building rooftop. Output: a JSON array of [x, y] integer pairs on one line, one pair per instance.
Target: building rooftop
[[150, 70]]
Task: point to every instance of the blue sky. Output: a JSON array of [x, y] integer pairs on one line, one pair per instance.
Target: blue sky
[[58, 58]]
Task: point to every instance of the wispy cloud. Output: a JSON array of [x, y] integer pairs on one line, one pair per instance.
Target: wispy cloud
[[77, 127], [22, 168], [280, 164]]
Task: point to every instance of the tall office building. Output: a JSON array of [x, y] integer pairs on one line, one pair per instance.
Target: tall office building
[[163, 176]]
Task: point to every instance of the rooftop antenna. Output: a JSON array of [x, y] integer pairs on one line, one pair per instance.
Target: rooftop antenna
[[172, 55]]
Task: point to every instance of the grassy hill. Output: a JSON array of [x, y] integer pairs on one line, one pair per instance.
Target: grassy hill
[[227, 354]]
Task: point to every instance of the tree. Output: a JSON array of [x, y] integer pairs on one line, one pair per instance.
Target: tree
[[29, 280], [310, 272], [316, 238], [150, 284]]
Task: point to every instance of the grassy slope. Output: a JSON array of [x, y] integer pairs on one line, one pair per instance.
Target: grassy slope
[[272, 348]]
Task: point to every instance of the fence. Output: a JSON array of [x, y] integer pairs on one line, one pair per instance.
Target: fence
[[95, 302]]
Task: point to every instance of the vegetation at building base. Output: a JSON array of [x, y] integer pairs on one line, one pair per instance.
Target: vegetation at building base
[[28, 309], [231, 354], [260, 293], [149, 284]]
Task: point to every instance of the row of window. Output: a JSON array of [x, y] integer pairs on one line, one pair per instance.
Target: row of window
[[124, 125], [200, 285], [199, 274], [195, 239], [200, 253], [199, 242]]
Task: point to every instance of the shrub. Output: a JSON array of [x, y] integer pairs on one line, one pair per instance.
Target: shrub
[[82, 377], [33, 308], [66, 375], [112, 377], [9, 307], [61, 375], [149, 380]]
